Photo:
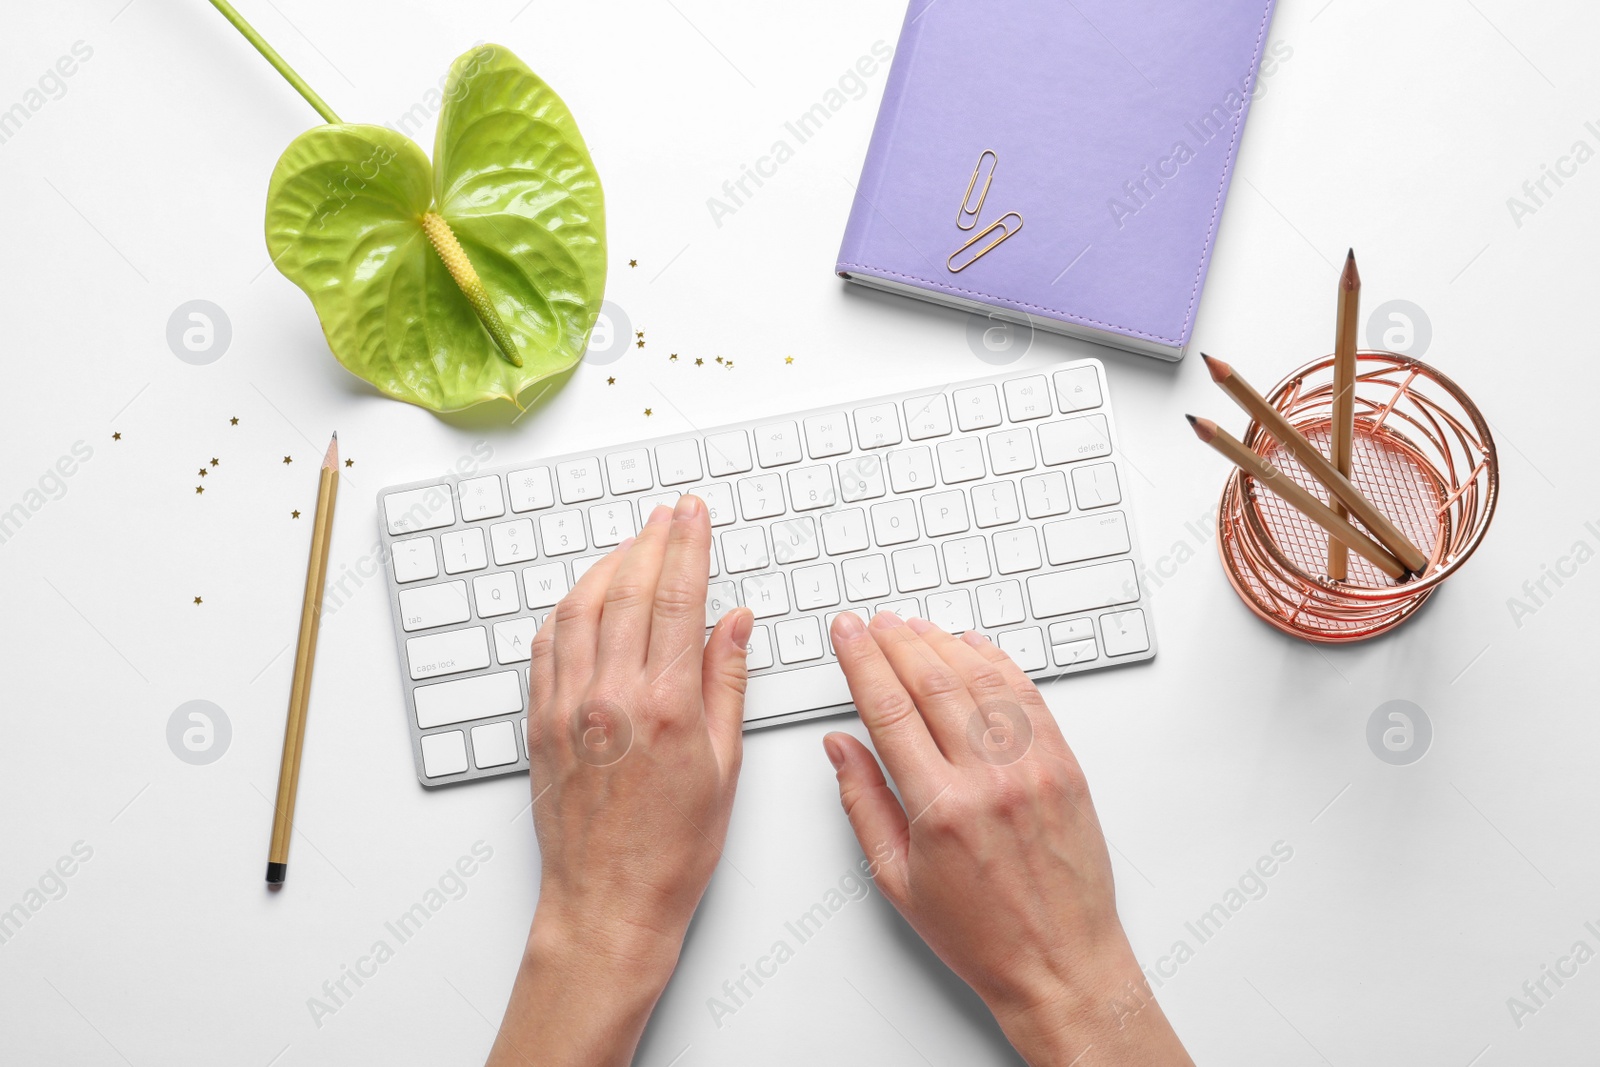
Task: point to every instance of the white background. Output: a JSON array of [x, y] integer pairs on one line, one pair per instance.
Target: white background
[[1419, 898]]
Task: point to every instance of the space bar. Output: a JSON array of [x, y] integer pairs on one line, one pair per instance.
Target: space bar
[[788, 692]]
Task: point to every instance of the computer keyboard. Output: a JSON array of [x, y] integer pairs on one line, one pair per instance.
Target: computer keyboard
[[998, 504]]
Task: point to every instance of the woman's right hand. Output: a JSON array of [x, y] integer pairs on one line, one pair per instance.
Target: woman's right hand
[[996, 857]]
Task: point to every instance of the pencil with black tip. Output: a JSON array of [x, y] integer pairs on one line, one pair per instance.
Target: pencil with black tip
[[1342, 432], [1297, 497], [294, 733]]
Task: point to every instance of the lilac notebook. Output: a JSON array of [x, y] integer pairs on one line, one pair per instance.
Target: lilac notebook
[[1059, 162]]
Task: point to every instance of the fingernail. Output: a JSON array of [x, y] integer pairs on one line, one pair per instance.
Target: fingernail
[[919, 625], [688, 508], [835, 751], [660, 513], [975, 638], [622, 546], [887, 620], [848, 626], [739, 628]]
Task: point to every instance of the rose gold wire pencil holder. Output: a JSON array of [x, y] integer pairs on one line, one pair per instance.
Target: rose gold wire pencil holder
[[1422, 453]]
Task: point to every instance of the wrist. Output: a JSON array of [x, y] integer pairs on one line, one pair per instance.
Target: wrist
[[615, 950]]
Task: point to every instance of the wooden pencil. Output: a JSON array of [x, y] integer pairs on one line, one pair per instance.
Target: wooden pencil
[[1277, 425], [1343, 429], [1297, 497], [294, 733]]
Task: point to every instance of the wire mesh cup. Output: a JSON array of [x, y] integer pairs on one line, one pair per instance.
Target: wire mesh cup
[[1422, 453]]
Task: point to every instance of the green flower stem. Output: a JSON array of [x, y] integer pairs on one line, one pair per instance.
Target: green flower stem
[[275, 59]]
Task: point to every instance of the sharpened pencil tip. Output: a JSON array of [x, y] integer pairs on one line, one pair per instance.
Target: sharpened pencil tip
[[1219, 370], [1351, 279], [1204, 429], [1192, 419]]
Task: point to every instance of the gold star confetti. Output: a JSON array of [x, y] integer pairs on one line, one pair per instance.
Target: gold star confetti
[[719, 359], [294, 514], [288, 459], [203, 472], [639, 333], [673, 357], [199, 488], [639, 343], [215, 461], [611, 381], [698, 362], [234, 421], [349, 463], [633, 262], [197, 600], [116, 436], [647, 412], [788, 359], [729, 364]]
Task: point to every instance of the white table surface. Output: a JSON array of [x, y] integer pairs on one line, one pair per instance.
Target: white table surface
[[1419, 898]]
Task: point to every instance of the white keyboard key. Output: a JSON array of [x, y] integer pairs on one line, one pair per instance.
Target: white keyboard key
[[815, 587], [450, 652], [945, 513], [1072, 653], [1011, 451], [718, 497], [467, 698], [494, 744], [728, 453], [1028, 398], [995, 504], [1096, 486], [795, 540], [844, 531], [915, 568], [562, 532], [463, 550], [766, 595], [629, 471], [481, 498], [894, 522], [966, 559], [1000, 603], [579, 480], [961, 460], [778, 444], [1046, 494], [416, 510], [799, 639], [772, 696], [758, 650], [911, 469], [414, 559], [581, 565], [1070, 630], [906, 609], [425, 606], [860, 478], [977, 408], [650, 501], [721, 598], [1124, 632], [950, 611], [678, 462], [531, 489], [496, 594], [811, 488], [745, 549], [1017, 550], [444, 754], [513, 541], [827, 435], [543, 585], [1086, 537], [878, 425], [761, 497], [1026, 646], [865, 577], [1072, 592], [513, 638], [1077, 389], [827, 623], [1070, 440], [927, 416], [611, 523]]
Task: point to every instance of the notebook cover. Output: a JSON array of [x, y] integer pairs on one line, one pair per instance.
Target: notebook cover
[[1113, 126]]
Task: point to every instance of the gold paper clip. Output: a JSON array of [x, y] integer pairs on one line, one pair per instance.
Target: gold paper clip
[[998, 224], [967, 216]]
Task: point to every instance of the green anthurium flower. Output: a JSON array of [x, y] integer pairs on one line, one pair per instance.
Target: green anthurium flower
[[458, 282]]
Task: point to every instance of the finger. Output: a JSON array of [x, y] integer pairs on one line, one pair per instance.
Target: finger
[[874, 812], [992, 691], [577, 622], [898, 731], [542, 666], [722, 684], [939, 692], [625, 611], [678, 623], [1045, 727]]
